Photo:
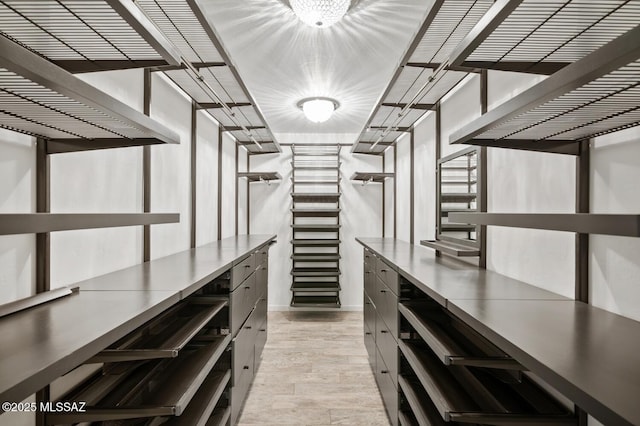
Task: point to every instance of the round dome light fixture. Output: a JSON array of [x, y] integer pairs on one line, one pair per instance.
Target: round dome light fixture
[[320, 13], [318, 109]]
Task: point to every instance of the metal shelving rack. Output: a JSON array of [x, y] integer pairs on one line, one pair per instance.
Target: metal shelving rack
[[207, 73], [315, 225], [424, 75]]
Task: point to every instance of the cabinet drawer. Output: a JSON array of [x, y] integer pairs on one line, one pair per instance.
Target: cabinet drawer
[[262, 276], [242, 270], [386, 303], [261, 341], [370, 345], [262, 255], [240, 388], [388, 348], [243, 349], [369, 259], [369, 315], [387, 390], [241, 302], [388, 276], [369, 281]]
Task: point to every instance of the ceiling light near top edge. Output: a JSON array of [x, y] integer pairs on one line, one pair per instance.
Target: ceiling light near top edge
[[320, 13], [318, 110]]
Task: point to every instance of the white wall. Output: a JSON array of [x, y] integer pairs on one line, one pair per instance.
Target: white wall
[[614, 261], [228, 186], [361, 216], [403, 177], [103, 181], [425, 178], [17, 195], [206, 180], [171, 168], [389, 192], [529, 182]]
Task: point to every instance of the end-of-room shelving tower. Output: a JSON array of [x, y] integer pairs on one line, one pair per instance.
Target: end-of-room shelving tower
[[315, 226]]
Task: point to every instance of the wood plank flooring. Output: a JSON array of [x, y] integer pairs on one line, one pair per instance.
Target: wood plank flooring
[[314, 371]]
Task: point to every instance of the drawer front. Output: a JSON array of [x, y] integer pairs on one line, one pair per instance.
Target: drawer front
[[262, 276], [240, 388], [388, 390], [241, 302], [242, 270], [369, 281], [261, 341], [388, 276], [388, 348], [369, 259], [262, 255], [370, 345], [243, 349], [369, 315], [387, 308]]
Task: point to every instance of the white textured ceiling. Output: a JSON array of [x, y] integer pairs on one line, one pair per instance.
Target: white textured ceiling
[[281, 60]]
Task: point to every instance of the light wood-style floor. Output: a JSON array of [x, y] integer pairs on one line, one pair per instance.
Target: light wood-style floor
[[314, 371]]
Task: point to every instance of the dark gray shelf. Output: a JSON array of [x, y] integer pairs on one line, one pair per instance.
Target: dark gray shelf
[[182, 378], [445, 348], [319, 197], [590, 97], [220, 417], [451, 249], [453, 227], [315, 287], [315, 228], [556, 34], [177, 331], [43, 100], [97, 35], [627, 225], [315, 212], [260, 176], [315, 301], [423, 77], [315, 243], [315, 272], [454, 197], [371, 176], [603, 375], [315, 257], [201, 408], [210, 77], [418, 400], [29, 223]]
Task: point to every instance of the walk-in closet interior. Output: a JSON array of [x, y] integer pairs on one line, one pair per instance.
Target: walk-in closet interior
[[319, 212]]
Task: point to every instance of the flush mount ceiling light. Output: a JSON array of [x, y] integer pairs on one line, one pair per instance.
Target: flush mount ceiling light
[[320, 13], [318, 110]]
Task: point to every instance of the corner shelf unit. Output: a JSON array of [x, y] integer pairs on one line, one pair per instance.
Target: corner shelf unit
[[315, 227], [423, 77], [207, 74], [538, 36], [371, 176], [593, 96], [40, 99], [260, 176]]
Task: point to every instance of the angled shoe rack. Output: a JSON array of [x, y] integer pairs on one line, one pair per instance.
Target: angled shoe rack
[[315, 226]]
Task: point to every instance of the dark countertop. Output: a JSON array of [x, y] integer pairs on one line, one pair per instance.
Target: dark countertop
[[444, 278], [589, 354], [183, 272], [42, 343]]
